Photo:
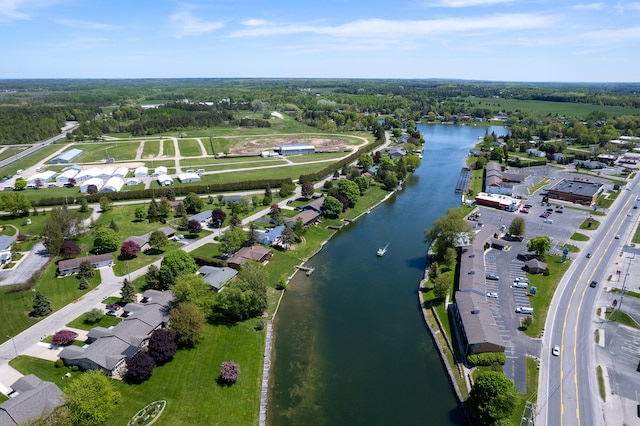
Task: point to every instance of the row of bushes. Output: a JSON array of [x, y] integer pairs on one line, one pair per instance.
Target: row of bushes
[[209, 261], [487, 359]]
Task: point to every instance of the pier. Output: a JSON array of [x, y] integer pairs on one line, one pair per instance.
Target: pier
[[308, 271], [463, 180]]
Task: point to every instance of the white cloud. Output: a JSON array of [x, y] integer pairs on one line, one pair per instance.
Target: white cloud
[[10, 9], [467, 3], [86, 25], [185, 24], [590, 6], [382, 29], [613, 37]]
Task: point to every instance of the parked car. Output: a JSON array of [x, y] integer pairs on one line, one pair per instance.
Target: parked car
[[112, 313], [493, 277], [492, 294], [113, 307], [548, 221], [528, 206], [549, 209], [558, 211], [521, 280], [556, 350], [519, 284], [524, 211], [524, 310]]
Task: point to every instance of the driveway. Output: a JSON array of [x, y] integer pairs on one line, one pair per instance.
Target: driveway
[[37, 257]]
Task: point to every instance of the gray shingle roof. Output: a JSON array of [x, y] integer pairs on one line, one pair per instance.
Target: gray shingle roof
[[36, 399], [216, 277]]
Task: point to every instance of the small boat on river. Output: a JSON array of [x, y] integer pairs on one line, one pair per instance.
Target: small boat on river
[[382, 250]]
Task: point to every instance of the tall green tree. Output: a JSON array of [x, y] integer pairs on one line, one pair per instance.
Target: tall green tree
[[192, 288], [15, 203], [164, 207], [331, 207], [174, 264], [232, 239], [193, 203], [91, 398], [152, 278], [62, 224], [152, 211], [517, 226], [187, 322], [106, 239], [493, 397], [450, 230], [127, 292], [540, 245], [158, 239], [41, 305], [349, 190], [105, 204]]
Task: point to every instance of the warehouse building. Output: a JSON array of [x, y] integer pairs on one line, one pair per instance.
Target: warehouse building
[[67, 156], [85, 175], [141, 172], [42, 177], [295, 149], [63, 179], [114, 184], [578, 191], [121, 172], [188, 177], [159, 171], [93, 181], [501, 202], [165, 180]]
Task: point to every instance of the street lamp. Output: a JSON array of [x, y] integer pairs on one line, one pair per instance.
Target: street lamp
[[14, 345]]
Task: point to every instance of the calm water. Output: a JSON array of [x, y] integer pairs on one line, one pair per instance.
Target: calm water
[[351, 346]]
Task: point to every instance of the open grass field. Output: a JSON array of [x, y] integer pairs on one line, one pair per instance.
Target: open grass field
[[11, 151], [569, 109], [151, 148], [292, 172], [14, 316], [30, 160], [120, 151], [168, 148], [320, 156], [105, 321], [224, 163], [288, 125], [189, 148]]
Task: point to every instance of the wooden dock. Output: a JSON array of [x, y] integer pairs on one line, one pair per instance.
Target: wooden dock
[[308, 271]]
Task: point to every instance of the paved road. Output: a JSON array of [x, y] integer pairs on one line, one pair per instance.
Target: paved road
[[38, 146], [33, 261]]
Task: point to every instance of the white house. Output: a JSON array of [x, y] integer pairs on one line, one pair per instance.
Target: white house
[[162, 170], [165, 180], [114, 184], [93, 181], [141, 171], [188, 177], [63, 179]]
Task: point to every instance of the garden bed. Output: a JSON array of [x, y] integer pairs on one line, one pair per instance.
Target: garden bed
[[149, 414]]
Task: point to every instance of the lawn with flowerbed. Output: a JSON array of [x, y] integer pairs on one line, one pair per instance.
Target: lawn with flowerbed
[[105, 321]]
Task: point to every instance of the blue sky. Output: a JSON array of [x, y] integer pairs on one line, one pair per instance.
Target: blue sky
[[499, 40]]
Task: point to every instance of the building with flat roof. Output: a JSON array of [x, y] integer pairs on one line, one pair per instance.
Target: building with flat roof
[[295, 149], [579, 191], [67, 156], [502, 202]]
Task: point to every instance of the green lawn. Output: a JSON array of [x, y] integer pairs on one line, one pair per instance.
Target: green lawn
[[292, 172], [320, 156], [151, 148], [30, 160], [16, 306], [105, 321], [594, 224], [221, 164], [189, 148], [120, 151], [636, 236], [168, 148], [579, 237], [531, 394], [11, 151]]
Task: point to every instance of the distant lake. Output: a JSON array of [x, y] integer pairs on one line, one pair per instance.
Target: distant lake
[[351, 345]]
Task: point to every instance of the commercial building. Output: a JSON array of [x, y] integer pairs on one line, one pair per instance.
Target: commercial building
[[141, 172], [64, 177], [121, 172], [159, 171], [96, 181], [67, 156], [578, 191], [165, 180], [502, 202], [295, 149], [41, 177], [188, 177], [87, 174], [114, 184]]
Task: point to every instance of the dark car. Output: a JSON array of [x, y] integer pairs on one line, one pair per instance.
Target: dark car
[[527, 206], [588, 255], [593, 284], [494, 277]]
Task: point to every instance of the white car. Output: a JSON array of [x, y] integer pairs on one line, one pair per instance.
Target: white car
[[548, 221], [519, 284], [556, 350], [617, 237], [492, 294], [521, 279]]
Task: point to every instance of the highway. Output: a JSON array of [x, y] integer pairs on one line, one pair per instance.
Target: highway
[[568, 389], [37, 146]]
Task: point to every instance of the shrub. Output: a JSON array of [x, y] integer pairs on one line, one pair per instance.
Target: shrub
[[63, 337], [58, 363], [21, 237], [259, 325], [129, 249], [230, 372], [140, 367], [84, 284], [487, 358], [93, 315]]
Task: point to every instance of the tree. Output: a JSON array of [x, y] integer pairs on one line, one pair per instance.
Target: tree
[[266, 200], [449, 258], [164, 208], [217, 217], [41, 305], [232, 239], [171, 195], [158, 239], [492, 397], [84, 284], [129, 249], [390, 180], [62, 224], [187, 322], [93, 316], [287, 189], [349, 190], [139, 367], [63, 337], [193, 203], [105, 204], [15, 203], [106, 240], [127, 292], [288, 237], [307, 189], [162, 345], [540, 245], [235, 220], [20, 184], [92, 189], [331, 207], [152, 211], [174, 264], [230, 372], [71, 183], [434, 271], [140, 213], [85, 269], [275, 213], [448, 231], [365, 161], [192, 288], [194, 227], [180, 210], [441, 286], [90, 398], [69, 248], [253, 237], [84, 205], [517, 226], [363, 183], [152, 278]]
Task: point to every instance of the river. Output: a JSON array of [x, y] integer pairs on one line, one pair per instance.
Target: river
[[351, 346]]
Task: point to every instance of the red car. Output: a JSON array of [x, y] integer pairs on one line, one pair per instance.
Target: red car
[[524, 211]]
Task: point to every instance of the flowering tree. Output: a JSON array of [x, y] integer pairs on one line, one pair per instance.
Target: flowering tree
[[129, 248], [63, 337], [230, 372], [140, 367]]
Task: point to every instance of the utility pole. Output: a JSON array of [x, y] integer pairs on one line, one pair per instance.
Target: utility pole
[[15, 349]]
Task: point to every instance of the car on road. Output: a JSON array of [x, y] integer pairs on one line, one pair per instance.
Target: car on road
[[492, 294], [556, 350], [493, 277], [112, 313], [588, 255], [593, 284], [617, 236]]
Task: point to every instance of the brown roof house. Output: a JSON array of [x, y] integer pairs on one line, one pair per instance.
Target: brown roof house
[[72, 266], [32, 399], [307, 216], [535, 266], [257, 253]]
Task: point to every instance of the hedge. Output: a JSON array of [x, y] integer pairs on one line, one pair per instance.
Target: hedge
[[209, 261], [487, 358]]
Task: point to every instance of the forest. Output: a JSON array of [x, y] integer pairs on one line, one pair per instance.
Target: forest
[[33, 110]]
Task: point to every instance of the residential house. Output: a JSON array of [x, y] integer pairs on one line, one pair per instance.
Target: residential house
[[108, 349], [143, 240], [258, 253], [271, 236], [217, 277], [203, 217], [307, 216], [315, 205], [535, 266], [32, 399], [72, 266]]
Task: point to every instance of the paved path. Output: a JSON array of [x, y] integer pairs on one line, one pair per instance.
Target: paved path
[[33, 261]]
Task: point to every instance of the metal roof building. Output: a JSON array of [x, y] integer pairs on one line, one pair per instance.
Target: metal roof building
[[67, 156], [114, 184], [295, 149]]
